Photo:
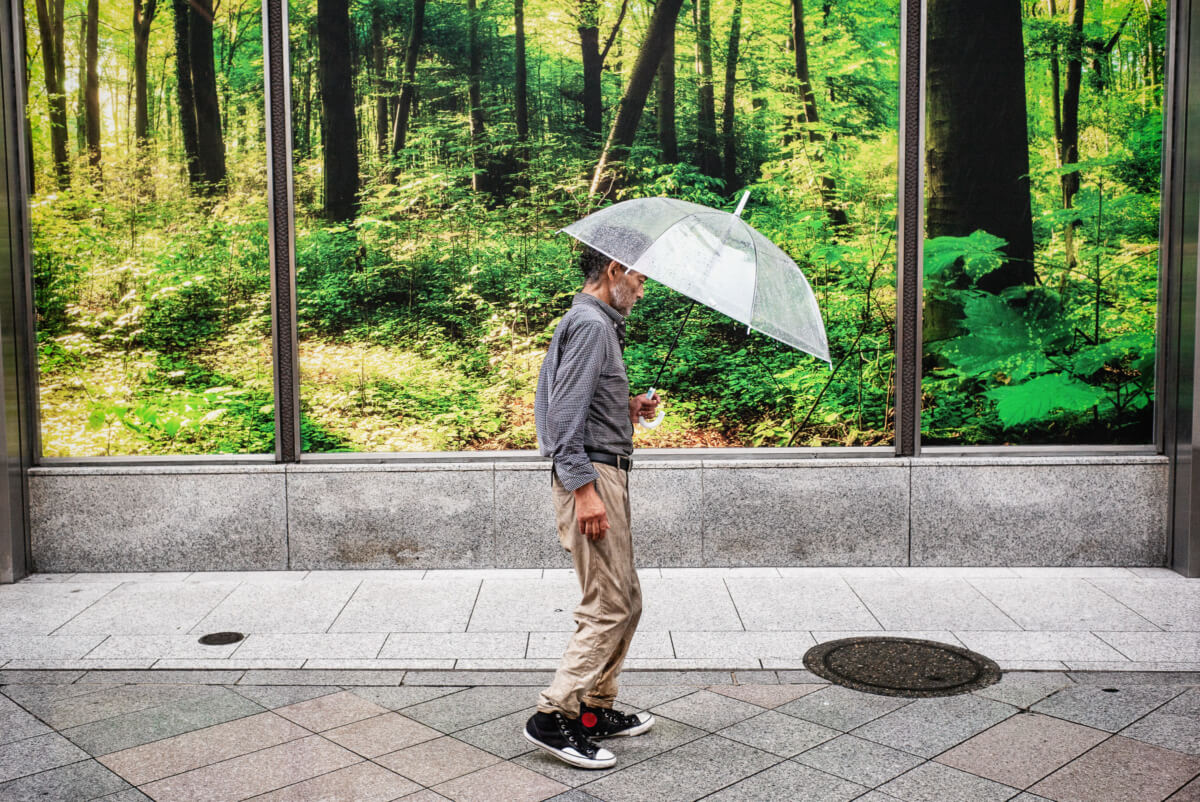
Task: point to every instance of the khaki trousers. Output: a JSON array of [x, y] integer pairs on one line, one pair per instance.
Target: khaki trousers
[[608, 613]]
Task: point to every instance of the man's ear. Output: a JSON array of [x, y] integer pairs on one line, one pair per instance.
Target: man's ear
[[614, 269]]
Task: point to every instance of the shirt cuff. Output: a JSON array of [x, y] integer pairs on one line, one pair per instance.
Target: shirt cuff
[[574, 470]]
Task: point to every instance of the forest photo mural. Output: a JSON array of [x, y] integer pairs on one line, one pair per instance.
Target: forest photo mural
[[439, 145]]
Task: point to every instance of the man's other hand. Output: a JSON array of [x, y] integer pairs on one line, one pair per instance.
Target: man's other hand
[[590, 513], [643, 406]]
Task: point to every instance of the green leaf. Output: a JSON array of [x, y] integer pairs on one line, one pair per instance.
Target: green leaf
[[1037, 398], [97, 419], [981, 253]]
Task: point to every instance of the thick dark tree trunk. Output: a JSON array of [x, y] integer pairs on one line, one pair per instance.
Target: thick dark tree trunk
[[593, 65], [607, 176], [727, 112], [977, 155], [91, 91], [668, 139], [379, 72], [210, 142], [408, 85], [480, 178], [809, 119], [522, 73], [184, 94], [1069, 143], [143, 17], [706, 122], [338, 129], [50, 29]]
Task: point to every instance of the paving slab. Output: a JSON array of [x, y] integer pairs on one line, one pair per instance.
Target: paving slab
[[860, 761], [362, 782], [457, 711], [1025, 688], [930, 604], [1060, 604], [16, 723], [456, 645], [516, 605], [1109, 710], [766, 696], [254, 773], [933, 782], [279, 607], [381, 734], [1155, 647], [37, 754], [842, 708], [327, 712], [148, 608], [307, 646], [688, 772], [39, 609], [210, 745], [1023, 749], [162, 721], [935, 725], [503, 782], [1118, 770], [436, 761], [398, 698], [1175, 725], [790, 781], [1039, 645], [698, 605], [86, 779], [707, 710], [778, 733], [408, 607], [1172, 605], [792, 604]]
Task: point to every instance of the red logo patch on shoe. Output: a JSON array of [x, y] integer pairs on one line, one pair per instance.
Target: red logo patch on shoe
[[588, 719]]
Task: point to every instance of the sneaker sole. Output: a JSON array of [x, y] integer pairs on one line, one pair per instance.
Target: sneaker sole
[[638, 730], [574, 760]]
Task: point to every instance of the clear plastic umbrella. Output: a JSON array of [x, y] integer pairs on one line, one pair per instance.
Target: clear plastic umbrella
[[714, 258]]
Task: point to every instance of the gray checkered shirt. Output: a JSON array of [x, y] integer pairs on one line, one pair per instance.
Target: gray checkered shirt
[[582, 401]]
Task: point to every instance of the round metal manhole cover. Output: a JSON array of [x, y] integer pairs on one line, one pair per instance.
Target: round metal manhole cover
[[221, 638], [901, 666]]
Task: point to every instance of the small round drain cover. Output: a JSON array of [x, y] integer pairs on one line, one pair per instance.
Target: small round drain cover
[[221, 638], [901, 666]]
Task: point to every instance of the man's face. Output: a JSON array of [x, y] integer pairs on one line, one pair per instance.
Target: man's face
[[627, 289]]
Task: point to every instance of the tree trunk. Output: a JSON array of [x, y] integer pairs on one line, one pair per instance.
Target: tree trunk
[[589, 42], [379, 69], [977, 156], [706, 123], [81, 90], [810, 120], [143, 17], [91, 92], [1069, 144], [727, 111], [210, 143], [184, 94], [409, 80], [338, 130], [480, 178], [50, 28], [522, 102], [668, 139], [629, 113]]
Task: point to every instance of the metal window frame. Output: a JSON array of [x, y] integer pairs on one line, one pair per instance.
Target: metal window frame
[[285, 346]]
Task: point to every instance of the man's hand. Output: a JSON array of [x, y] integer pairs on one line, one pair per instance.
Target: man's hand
[[641, 405], [589, 510]]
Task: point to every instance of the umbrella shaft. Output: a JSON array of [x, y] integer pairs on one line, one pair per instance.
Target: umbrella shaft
[[671, 350]]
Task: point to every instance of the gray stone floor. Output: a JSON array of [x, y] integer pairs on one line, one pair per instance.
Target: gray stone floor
[[1064, 619], [371, 736]]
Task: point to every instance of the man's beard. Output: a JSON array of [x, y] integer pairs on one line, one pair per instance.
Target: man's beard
[[623, 299]]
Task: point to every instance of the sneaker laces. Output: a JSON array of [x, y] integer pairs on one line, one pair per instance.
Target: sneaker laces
[[573, 732]]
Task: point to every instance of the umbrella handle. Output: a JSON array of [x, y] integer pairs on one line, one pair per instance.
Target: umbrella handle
[[650, 424]]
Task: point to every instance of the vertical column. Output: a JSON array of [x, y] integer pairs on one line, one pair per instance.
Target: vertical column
[[1179, 335], [910, 236], [283, 268], [18, 433]]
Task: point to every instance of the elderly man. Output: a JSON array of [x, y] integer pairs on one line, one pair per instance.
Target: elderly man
[[585, 420]]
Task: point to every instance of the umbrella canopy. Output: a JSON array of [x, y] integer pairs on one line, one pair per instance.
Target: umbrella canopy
[[715, 258]]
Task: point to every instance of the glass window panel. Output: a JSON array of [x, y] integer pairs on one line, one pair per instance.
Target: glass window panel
[[1044, 129], [149, 227], [430, 275]]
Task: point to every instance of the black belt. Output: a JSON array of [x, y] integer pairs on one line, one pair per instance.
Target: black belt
[[615, 460]]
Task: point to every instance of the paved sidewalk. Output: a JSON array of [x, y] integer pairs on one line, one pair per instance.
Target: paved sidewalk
[[423, 736], [1085, 619]]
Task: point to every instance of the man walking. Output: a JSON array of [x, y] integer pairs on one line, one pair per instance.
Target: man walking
[[585, 420]]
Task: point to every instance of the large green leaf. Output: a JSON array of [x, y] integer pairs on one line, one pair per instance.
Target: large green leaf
[[1000, 339], [980, 254], [1035, 399]]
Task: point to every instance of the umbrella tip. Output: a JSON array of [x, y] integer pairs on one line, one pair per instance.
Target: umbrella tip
[[742, 203]]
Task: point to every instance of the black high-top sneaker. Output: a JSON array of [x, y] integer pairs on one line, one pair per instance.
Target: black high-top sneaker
[[563, 737], [604, 722]]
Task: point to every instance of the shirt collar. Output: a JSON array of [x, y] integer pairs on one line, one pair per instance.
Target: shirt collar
[[585, 298]]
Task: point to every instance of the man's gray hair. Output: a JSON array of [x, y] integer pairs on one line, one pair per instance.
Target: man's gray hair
[[620, 240]]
